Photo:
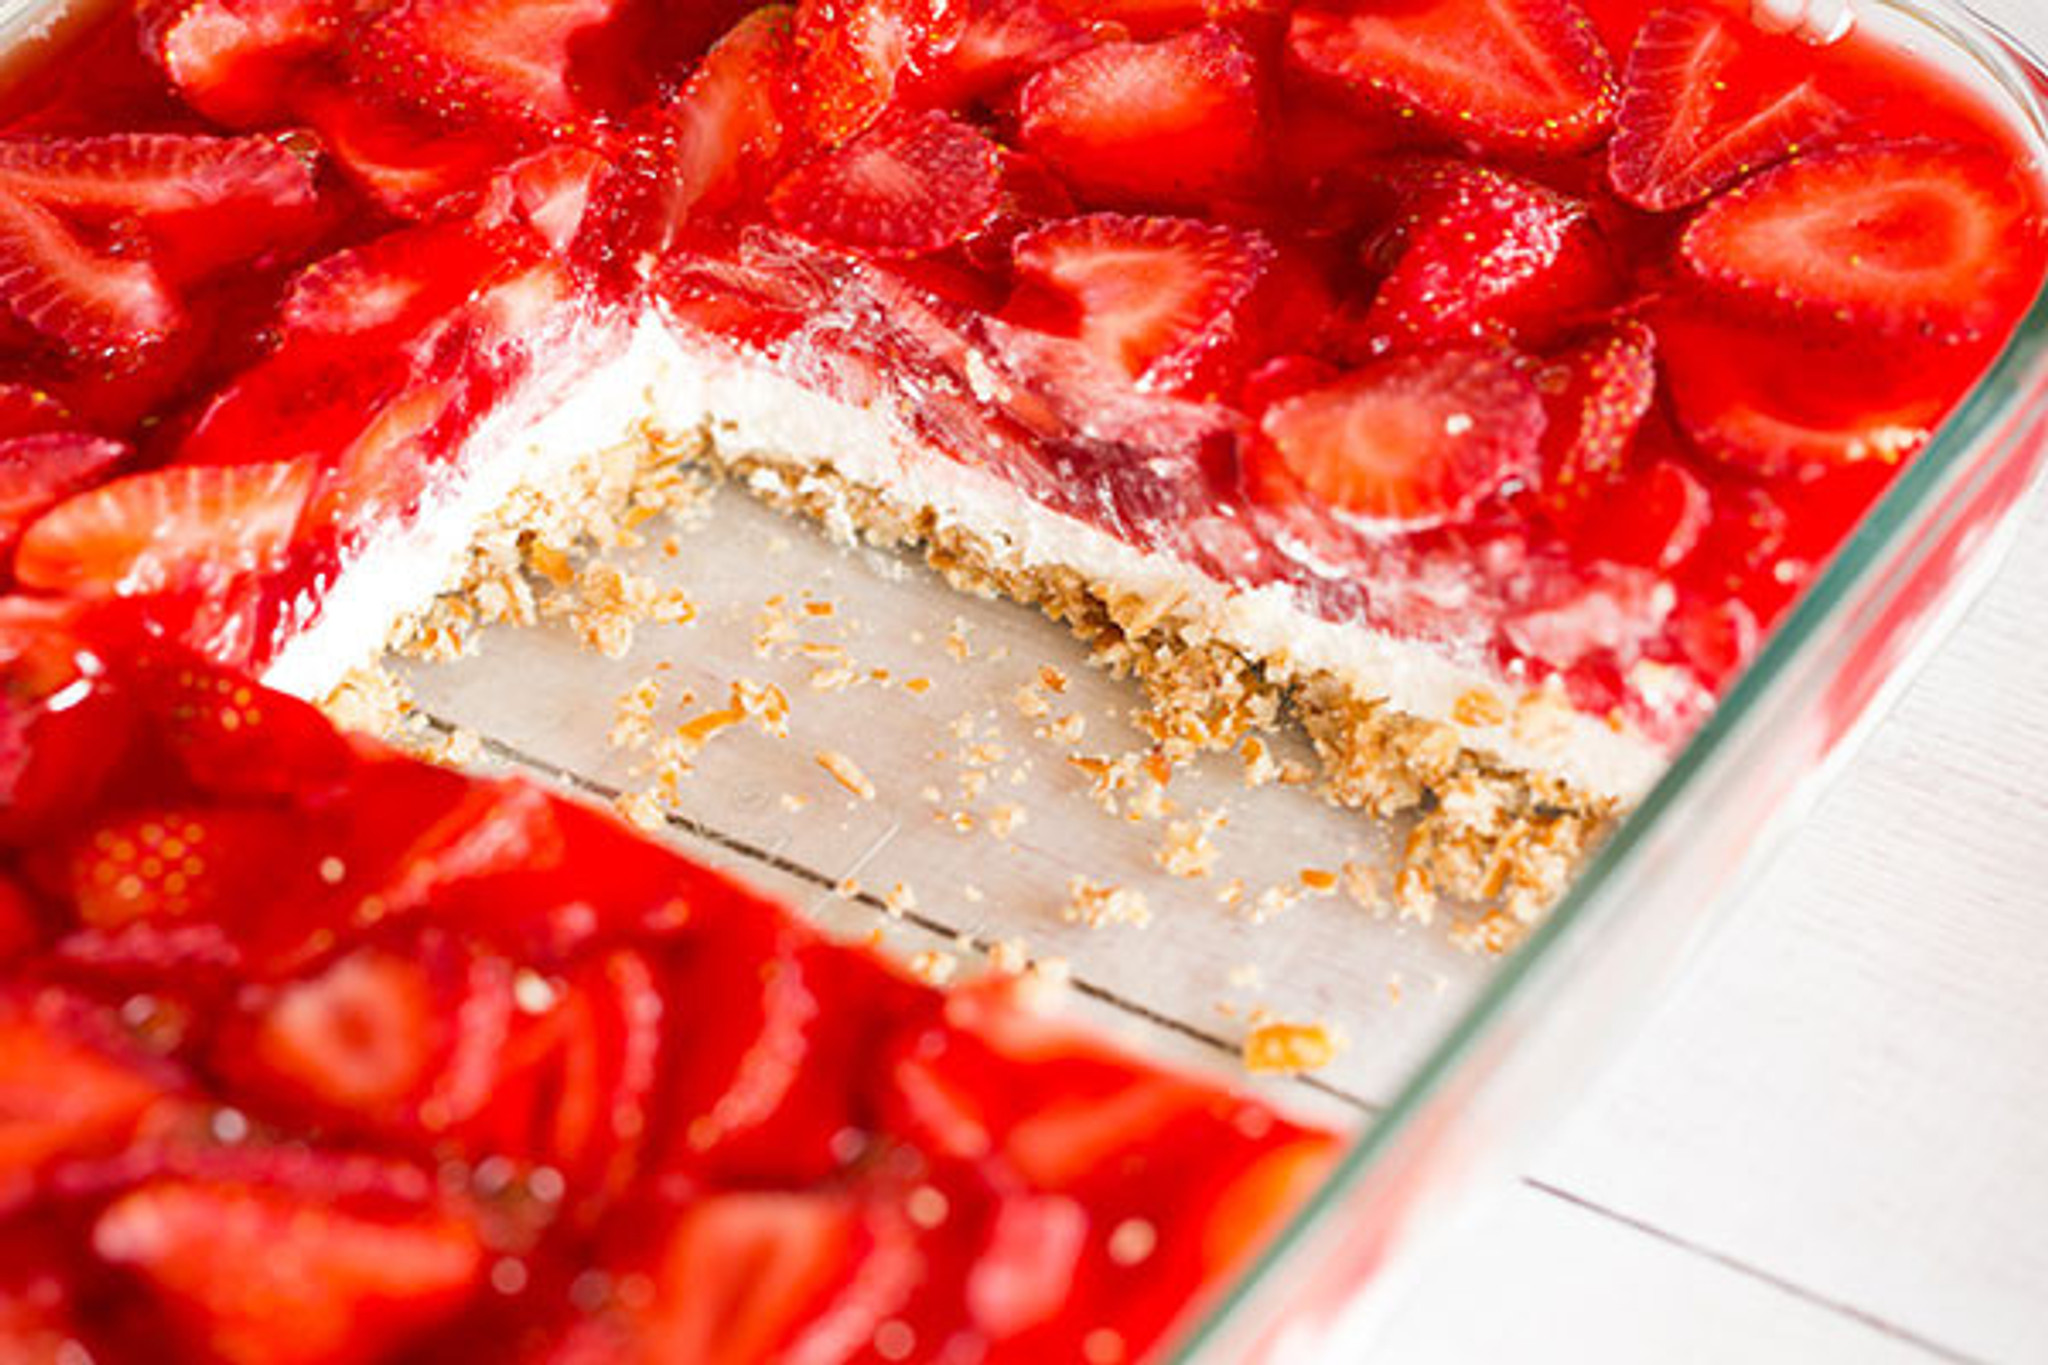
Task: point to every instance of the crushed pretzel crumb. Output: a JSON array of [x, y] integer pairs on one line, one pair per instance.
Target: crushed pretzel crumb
[[1098, 905], [1277, 1047], [845, 772], [933, 967]]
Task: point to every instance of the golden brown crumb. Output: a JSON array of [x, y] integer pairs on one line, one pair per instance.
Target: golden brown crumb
[[846, 773], [1277, 1047], [1010, 956], [917, 686], [1097, 905], [1188, 850], [899, 901], [1319, 880], [1362, 883], [847, 888], [794, 801], [633, 725], [1005, 820], [640, 808], [1052, 679], [1479, 706], [933, 967], [957, 647]]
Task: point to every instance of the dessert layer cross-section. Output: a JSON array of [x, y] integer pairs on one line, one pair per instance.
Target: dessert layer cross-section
[[1480, 377]]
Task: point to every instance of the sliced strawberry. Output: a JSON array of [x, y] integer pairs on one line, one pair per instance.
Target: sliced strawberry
[[88, 302], [1156, 298], [578, 1077], [1912, 239], [906, 186], [382, 1040], [1596, 393], [236, 60], [1172, 122], [550, 193], [1706, 100], [1751, 396], [750, 1276], [733, 117], [37, 472], [390, 285], [1477, 254], [185, 528], [180, 862], [1507, 75], [1001, 42], [252, 1272], [512, 59], [232, 737], [65, 1090], [853, 54], [201, 202], [1411, 441], [64, 726], [198, 202], [406, 161]]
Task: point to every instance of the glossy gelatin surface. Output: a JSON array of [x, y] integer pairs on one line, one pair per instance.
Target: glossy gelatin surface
[[1563, 341]]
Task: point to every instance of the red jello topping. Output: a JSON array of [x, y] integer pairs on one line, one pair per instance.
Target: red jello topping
[[313, 1052], [1615, 313]]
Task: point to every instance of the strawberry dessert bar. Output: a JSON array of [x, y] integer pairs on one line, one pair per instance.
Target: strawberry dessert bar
[[1445, 370], [310, 1052]]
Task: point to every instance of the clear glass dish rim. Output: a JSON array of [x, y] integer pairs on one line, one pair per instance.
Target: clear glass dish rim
[[1913, 497]]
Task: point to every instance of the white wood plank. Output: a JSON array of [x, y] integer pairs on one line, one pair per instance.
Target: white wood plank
[[1849, 1091], [1539, 1280]]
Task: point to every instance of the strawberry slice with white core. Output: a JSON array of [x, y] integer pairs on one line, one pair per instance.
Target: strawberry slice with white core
[[1597, 393], [905, 187], [1170, 122], [1909, 239], [1153, 297], [184, 527], [202, 202], [284, 1277], [37, 472], [731, 118], [854, 53], [60, 1093], [510, 58], [234, 59], [1690, 123], [1484, 254], [1411, 441], [1506, 75]]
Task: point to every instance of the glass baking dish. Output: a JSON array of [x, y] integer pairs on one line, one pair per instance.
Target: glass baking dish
[[1442, 1093]]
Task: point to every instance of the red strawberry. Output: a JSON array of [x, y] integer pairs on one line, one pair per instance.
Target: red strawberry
[[233, 737], [236, 60], [1914, 239], [1477, 254], [180, 862], [906, 186], [37, 472], [1507, 75], [1170, 122], [854, 53], [511, 59], [199, 202], [381, 1040], [1756, 399], [64, 726], [1001, 41], [182, 528], [1707, 100], [733, 117], [1411, 441], [406, 162], [20, 924], [751, 1276], [64, 1090], [551, 193], [253, 1271], [1156, 298], [1596, 393]]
